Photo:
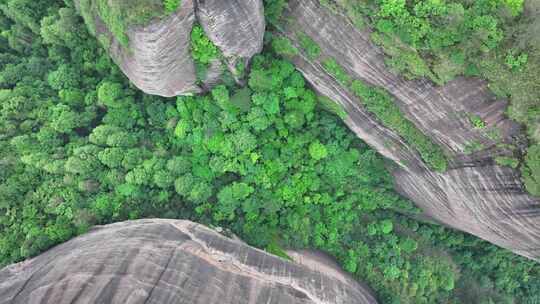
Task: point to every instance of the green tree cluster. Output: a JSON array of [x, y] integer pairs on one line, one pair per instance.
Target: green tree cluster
[[80, 146]]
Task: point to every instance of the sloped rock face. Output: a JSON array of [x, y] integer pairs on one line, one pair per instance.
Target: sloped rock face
[[170, 261], [475, 195], [232, 27], [159, 61]]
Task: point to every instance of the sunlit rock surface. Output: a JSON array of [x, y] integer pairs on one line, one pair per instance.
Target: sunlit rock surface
[[475, 195], [173, 261], [158, 60]]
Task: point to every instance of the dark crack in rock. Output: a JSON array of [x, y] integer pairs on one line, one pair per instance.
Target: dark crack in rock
[[475, 195], [171, 261]]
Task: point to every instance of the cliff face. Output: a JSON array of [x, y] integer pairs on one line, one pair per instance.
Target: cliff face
[[235, 27], [475, 195], [158, 60], [172, 261]]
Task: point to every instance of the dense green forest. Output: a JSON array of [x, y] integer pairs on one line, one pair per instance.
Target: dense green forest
[[79, 146]]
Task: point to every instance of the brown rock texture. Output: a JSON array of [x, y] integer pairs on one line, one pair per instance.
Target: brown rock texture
[[475, 195], [171, 261], [158, 60]]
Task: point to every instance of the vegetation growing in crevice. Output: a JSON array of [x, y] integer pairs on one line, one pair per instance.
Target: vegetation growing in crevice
[[203, 49], [311, 48], [171, 6], [203, 52], [511, 162], [477, 122], [439, 40], [331, 106], [381, 104]]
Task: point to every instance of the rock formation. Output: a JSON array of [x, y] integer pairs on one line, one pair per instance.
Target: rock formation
[[475, 195], [235, 27], [158, 60], [172, 261]]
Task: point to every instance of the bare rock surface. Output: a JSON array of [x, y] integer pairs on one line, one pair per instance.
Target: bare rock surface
[[475, 195], [171, 261], [159, 57], [158, 60], [232, 27]]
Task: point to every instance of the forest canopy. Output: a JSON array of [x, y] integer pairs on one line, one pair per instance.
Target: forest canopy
[[80, 145]]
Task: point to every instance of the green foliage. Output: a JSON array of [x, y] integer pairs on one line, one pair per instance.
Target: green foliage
[[515, 6], [477, 121], [273, 10], [531, 170], [507, 161], [203, 50], [516, 63], [171, 6], [283, 46], [119, 15], [381, 104], [80, 146], [317, 151], [311, 48], [421, 37]]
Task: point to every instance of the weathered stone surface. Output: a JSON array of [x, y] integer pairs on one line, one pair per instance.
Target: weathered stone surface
[[159, 58], [159, 61], [232, 27], [474, 195], [172, 261], [236, 27]]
